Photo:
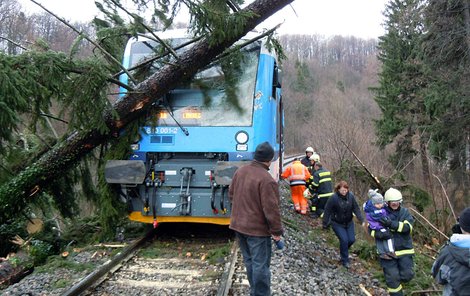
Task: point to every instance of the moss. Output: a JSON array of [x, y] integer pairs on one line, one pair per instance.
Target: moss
[[62, 283], [55, 262], [218, 255]]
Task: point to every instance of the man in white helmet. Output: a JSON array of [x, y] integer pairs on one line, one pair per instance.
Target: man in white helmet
[[400, 223], [308, 153], [313, 159]]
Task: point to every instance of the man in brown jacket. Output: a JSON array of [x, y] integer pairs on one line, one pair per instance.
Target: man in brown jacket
[[256, 217]]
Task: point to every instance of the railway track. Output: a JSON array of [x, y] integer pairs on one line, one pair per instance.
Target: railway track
[[170, 269]]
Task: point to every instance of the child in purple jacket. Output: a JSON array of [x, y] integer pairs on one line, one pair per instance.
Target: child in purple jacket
[[374, 209]]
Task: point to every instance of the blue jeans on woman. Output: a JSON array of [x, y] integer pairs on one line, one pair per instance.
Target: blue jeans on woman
[[346, 236], [256, 252]]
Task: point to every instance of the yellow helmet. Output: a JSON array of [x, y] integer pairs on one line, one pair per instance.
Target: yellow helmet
[[393, 194], [315, 157], [309, 149]]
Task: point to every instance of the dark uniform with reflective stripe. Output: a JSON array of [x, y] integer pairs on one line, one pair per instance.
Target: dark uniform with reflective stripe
[[399, 270], [321, 187]]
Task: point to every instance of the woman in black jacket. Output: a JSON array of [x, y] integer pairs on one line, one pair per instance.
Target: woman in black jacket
[[339, 213]]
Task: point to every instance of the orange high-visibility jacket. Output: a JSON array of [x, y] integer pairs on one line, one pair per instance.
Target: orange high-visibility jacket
[[296, 173]]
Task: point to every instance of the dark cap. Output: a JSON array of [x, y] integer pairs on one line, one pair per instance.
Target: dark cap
[[264, 152], [464, 220]]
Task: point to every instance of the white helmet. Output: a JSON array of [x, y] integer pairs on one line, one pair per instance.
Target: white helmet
[[309, 149], [393, 194], [315, 157]]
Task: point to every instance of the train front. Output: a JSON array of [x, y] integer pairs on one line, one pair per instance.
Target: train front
[[194, 139]]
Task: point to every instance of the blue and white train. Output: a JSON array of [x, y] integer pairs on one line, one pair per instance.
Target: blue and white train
[[181, 167]]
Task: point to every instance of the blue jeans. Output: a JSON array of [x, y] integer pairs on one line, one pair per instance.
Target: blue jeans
[[346, 236], [256, 252]]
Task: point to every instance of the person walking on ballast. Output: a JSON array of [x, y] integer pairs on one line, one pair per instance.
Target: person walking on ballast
[[320, 186], [339, 211], [297, 174], [256, 217]]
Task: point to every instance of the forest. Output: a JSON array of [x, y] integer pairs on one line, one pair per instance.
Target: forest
[[400, 103]]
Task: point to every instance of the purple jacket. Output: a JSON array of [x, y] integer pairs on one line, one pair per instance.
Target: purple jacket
[[373, 215]]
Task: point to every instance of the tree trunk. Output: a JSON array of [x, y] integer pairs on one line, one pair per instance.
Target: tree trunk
[[15, 194]]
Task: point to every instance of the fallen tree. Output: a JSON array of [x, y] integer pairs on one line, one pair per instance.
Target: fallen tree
[[16, 193]]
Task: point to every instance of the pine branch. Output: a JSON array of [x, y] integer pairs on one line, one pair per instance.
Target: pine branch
[[168, 47], [151, 60], [13, 42], [53, 117], [234, 6]]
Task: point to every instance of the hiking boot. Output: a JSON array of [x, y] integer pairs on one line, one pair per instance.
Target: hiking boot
[[346, 265], [385, 256]]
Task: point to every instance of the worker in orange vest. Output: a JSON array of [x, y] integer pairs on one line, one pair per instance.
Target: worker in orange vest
[[297, 175]]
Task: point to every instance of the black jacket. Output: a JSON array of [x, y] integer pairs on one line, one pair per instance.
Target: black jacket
[[340, 209], [320, 183], [452, 267], [305, 161]]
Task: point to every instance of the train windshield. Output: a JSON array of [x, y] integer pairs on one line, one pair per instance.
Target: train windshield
[[204, 101]]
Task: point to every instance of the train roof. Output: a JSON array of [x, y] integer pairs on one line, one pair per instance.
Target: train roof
[[184, 33]]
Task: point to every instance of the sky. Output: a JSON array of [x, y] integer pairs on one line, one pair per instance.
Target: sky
[[360, 18]]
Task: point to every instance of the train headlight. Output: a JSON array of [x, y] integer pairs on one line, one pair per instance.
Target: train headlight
[[241, 137]]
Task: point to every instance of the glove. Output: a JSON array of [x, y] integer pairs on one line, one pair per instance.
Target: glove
[[385, 221], [383, 234], [307, 194]]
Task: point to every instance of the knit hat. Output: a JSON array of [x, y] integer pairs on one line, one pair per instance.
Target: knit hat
[[375, 197], [264, 152], [464, 220]]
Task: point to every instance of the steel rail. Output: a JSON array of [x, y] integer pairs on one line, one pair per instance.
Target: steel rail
[[94, 277], [226, 280]]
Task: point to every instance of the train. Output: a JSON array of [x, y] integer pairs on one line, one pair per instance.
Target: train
[[193, 140]]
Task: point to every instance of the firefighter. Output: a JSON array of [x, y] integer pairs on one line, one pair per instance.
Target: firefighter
[[308, 153], [297, 174], [320, 186], [400, 225], [314, 158]]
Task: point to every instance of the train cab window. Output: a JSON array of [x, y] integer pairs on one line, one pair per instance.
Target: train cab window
[[204, 101]]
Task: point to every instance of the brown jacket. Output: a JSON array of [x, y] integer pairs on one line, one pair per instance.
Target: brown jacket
[[255, 201]]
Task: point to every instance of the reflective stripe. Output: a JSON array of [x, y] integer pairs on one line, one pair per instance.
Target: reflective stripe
[[324, 174], [297, 182], [405, 252], [372, 233], [314, 184], [409, 224], [394, 290], [325, 180], [325, 194], [400, 226]]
